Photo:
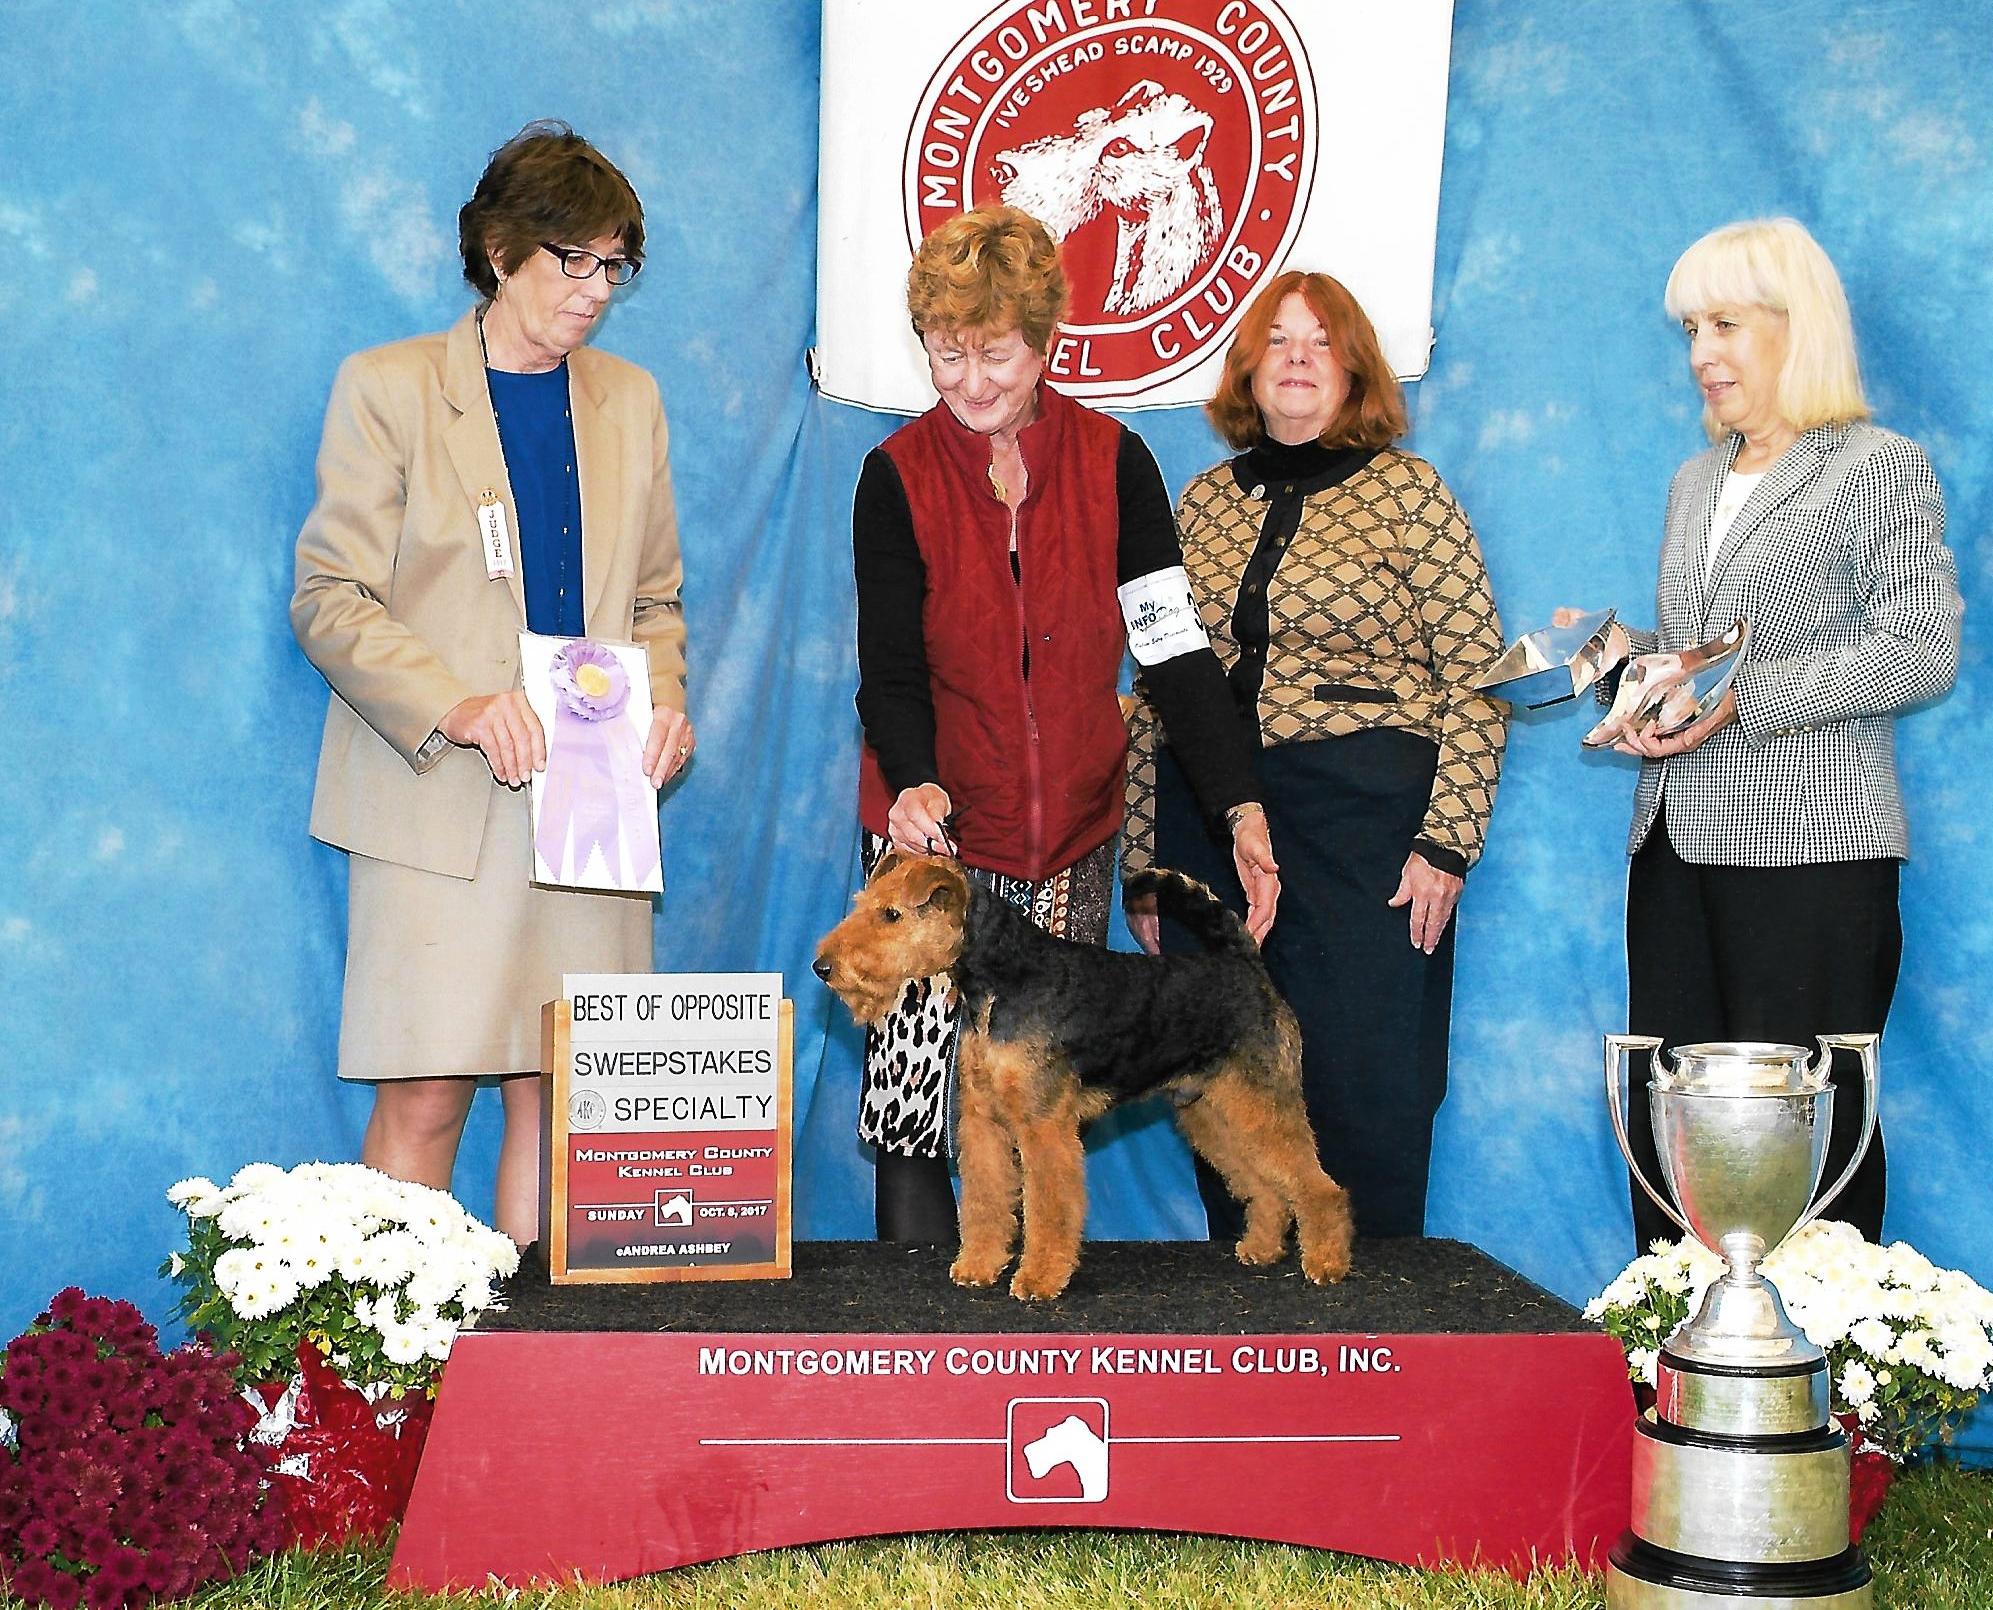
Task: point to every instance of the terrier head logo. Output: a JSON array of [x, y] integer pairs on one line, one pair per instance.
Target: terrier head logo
[[1170, 155]]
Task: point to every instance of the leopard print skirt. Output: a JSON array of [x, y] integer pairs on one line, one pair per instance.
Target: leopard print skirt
[[906, 1103]]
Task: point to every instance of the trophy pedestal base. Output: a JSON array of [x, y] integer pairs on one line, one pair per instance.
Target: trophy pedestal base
[[1641, 1577], [1727, 1521]]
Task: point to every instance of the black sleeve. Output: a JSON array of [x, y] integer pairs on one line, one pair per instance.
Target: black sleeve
[[895, 701], [1200, 718]]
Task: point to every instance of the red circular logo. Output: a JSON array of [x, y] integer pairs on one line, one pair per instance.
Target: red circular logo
[[1170, 152]]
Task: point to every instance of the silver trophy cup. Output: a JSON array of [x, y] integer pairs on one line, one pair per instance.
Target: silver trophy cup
[[1740, 1479]]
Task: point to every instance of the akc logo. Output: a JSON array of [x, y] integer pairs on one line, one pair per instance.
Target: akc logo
[[1171, 155]]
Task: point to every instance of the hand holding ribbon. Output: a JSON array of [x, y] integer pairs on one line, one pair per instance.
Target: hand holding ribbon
[[597, 779]]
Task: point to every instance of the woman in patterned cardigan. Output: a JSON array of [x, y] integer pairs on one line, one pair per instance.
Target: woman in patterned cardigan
[[1346, 598]]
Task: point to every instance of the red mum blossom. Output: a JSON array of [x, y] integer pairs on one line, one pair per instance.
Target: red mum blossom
[[94, 1541], [101, 1593], [166, 1577], [64, 1592], [38, 1536], [123, 1566], [99, 1485]]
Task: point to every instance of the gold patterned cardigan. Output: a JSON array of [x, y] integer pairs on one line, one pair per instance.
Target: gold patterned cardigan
[[1381, 590]]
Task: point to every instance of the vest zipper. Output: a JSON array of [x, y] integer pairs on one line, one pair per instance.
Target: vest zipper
[[1034, 802]]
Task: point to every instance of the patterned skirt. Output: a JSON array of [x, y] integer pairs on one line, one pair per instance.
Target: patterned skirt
[[906, 1103]]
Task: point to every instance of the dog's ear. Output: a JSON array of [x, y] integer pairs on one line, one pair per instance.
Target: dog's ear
[[941, 889], [886, 863]]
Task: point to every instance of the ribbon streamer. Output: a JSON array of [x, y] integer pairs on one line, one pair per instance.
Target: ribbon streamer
[[595, 782]]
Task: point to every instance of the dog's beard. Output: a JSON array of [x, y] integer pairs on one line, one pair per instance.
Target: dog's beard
[[868, 1004]]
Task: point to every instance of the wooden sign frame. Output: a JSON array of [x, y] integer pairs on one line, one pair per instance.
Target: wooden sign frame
[[556, 1084]]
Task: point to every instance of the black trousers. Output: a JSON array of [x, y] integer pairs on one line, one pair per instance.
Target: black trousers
[[1374, 1011], [1761, 953]]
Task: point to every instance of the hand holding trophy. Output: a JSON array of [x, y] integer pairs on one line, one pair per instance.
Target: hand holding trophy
[[1665, 704], [1663, 697]]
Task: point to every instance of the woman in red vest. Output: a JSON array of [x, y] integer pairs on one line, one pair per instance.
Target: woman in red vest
[[1010, 547]]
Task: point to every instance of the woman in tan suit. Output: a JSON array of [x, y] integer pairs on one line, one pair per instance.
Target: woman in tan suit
[[496, 476]]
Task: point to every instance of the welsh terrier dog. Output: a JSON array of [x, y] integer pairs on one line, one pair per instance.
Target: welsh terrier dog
[[1054, 1033]]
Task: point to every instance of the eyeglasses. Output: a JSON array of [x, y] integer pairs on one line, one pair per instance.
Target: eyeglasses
[[577, 264]]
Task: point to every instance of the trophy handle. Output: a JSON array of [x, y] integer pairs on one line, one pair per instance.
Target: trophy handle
[[1616, 1047], [1865, 1044]]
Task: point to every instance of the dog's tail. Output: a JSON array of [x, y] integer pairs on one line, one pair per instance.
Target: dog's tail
[[1214, 924]]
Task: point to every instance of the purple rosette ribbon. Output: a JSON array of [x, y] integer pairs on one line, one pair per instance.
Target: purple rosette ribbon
[[595, 767]]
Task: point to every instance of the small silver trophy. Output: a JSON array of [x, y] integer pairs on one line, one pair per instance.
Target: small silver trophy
[[1740, 1478], [1670, 692], [1661, 694], [1554, 664]]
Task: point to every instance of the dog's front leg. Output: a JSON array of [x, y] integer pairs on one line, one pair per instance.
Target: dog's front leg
[[1054, 1206], [989, 1199]]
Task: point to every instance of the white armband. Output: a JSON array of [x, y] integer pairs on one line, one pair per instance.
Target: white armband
[[1162, 621]]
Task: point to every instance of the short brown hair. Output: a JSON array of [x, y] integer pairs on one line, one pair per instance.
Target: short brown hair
[[544, 184], [992, 269], [1372, 415]]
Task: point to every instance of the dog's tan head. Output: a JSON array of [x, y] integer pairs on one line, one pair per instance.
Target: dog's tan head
[[906, 923]]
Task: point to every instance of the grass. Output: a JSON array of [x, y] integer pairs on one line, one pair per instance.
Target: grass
[[1932, 1549]]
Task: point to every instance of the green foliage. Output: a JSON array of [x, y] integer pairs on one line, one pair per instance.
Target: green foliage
[[1932, 1549]]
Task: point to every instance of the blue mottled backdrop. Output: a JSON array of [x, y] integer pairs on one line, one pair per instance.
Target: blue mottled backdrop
[[205, 204]]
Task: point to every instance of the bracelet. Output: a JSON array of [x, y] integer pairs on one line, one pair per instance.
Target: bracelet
[[1238, 813]]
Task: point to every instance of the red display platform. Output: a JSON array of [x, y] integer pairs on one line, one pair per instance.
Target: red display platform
[[562, 1454]]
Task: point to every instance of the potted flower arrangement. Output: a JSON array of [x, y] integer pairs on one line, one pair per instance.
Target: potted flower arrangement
[[1909, 1345], [340, 1290], [122, 1472]]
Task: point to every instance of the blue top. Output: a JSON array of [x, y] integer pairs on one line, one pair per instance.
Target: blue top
[[536, 434]]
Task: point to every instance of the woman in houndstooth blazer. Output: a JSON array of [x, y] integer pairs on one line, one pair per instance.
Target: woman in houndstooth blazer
[[1767, 838]]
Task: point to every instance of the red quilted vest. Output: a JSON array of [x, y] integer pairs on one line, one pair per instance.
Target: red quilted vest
[[1033, 766]]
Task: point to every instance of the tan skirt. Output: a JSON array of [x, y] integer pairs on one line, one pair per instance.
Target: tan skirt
[[445, 977]]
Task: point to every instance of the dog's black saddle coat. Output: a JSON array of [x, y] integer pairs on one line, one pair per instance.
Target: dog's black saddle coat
[[1126, 1024]]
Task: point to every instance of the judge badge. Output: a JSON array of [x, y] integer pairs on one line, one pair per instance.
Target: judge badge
[[496, 540]]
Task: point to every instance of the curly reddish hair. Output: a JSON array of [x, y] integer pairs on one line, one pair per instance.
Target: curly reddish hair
[[1372, 415], [989, 271]]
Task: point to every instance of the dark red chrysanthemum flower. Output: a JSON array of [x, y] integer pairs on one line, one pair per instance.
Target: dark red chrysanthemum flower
[[36, 1537], [99, 1485], [123, 1566], [100, 1593], [64, 1591]]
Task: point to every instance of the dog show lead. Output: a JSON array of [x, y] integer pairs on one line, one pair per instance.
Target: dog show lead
[[1010, 546]]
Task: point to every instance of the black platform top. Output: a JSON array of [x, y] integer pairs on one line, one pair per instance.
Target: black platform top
[[1404, 1286]]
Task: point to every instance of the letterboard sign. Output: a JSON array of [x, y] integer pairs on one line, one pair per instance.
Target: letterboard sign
[[666, 1118]]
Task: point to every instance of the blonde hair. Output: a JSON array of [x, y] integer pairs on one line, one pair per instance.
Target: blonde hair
[[993, 269], [1774, 263]]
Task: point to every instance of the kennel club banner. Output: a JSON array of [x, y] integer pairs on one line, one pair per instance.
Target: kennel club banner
[[1182, 152]]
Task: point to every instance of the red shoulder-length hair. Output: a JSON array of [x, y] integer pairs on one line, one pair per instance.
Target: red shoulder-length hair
[[1372, 415]]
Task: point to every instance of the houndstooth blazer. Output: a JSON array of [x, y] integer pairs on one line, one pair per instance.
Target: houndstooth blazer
[[1839, 563]]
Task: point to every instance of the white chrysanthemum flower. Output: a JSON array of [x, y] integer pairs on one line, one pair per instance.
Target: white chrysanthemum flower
[[235, 1270], [192, 1189], [434, 1284], [401, 1344], [255, 1176], [1872, 1336], [1857, 1382], [395, 1256]]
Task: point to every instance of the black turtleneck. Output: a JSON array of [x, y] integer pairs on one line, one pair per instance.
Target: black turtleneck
[[1284, 474]]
